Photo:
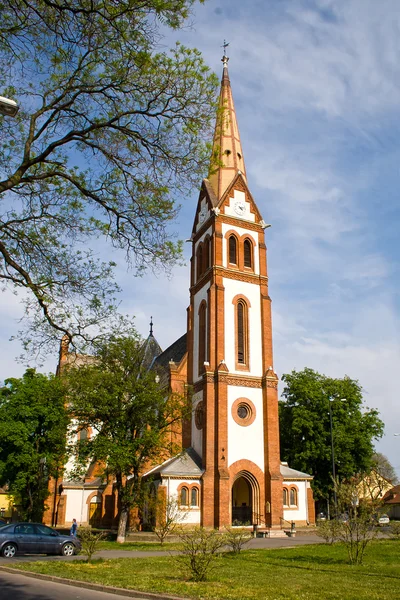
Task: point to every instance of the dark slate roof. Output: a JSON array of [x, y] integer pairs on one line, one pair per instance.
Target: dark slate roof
[[186, 464], [289, 473], [151, 349], [79, 484], [175, 352]]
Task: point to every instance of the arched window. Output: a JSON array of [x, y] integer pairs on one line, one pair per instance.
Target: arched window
[[202, 336], [242, 342], [194, 497], [232, 250], [206, 253], [248, 253], [285, 497], [293, 497], [199, 261], [184, 496]]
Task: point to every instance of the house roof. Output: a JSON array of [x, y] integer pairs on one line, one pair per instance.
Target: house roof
[[186, 464], [288, 473], [392, 496]]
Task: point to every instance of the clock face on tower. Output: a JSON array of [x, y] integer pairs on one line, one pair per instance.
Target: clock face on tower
[[239, 207]]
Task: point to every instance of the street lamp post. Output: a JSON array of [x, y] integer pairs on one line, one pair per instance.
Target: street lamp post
[[8, 108], [333, 451]]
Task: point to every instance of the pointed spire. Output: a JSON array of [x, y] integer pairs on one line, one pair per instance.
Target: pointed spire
[[227, 155], [151, 326]]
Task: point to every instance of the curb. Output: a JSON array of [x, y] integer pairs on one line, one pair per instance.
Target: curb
[[93, 586]]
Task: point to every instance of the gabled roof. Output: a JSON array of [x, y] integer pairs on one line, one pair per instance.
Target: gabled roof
[[186, 464], [288, 473], [175, 352]]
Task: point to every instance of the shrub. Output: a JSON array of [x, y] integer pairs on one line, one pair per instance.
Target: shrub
[[395, 529], [90, 541], [199, 551], [329, 530], [236, 539]]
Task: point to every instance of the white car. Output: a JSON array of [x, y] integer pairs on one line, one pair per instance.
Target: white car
[[383, 520]]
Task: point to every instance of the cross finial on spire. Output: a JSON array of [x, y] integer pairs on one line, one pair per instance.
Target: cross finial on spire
[[151, 325], [225, 58]]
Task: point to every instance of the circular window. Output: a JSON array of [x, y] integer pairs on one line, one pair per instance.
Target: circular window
[[199, 415], [243, 412]]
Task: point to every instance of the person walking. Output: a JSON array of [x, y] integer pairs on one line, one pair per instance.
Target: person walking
[[74, 527]]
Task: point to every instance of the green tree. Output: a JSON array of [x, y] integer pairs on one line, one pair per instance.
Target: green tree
[[131, 418], [33, 424], [110, 130], [305, 427]]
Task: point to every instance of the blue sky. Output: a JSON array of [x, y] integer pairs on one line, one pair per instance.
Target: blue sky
[[316, 85]]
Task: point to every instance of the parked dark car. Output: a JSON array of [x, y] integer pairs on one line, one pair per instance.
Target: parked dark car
[[34, 538]]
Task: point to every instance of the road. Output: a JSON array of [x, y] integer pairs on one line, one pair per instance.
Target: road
[[21, 587]]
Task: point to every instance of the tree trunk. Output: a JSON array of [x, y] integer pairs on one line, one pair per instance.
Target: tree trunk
[[123, 521]]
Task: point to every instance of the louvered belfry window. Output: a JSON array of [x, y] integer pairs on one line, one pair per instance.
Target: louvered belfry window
[[247, 247], [241, 333], [232, 250]]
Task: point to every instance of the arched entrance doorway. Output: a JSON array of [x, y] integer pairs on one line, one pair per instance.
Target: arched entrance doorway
[[245, 499], [95, 511]]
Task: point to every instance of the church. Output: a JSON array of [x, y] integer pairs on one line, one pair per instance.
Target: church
[[229, 472]]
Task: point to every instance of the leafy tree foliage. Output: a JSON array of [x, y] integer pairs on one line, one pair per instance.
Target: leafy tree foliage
[[305, 427], [33, 424], [110, 130], [131, 418]]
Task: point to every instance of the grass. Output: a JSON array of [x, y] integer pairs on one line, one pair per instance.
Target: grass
[[142, 546], [300, 573]]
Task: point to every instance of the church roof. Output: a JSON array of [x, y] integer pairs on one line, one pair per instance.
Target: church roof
[[151, 349], [288, 473], [227, 155], [186, 464], [175, 352]]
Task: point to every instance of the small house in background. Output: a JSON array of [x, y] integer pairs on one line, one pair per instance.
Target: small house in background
[[391, 502], [373, 487], [7, 507]]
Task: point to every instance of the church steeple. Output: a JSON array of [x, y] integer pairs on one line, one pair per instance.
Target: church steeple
[[227, 155]]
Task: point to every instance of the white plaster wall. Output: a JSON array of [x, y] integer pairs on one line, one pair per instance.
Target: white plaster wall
[[77, 507], [240, 231], [246, 442], [191, 515], [301, 512], [199, 297], [197, 434], [252, 292], [241, 197]]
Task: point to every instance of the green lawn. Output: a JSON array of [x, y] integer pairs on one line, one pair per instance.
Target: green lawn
[[298, 573], [142, 546]]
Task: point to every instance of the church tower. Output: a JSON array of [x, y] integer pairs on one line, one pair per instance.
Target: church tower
[[235, 428]]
